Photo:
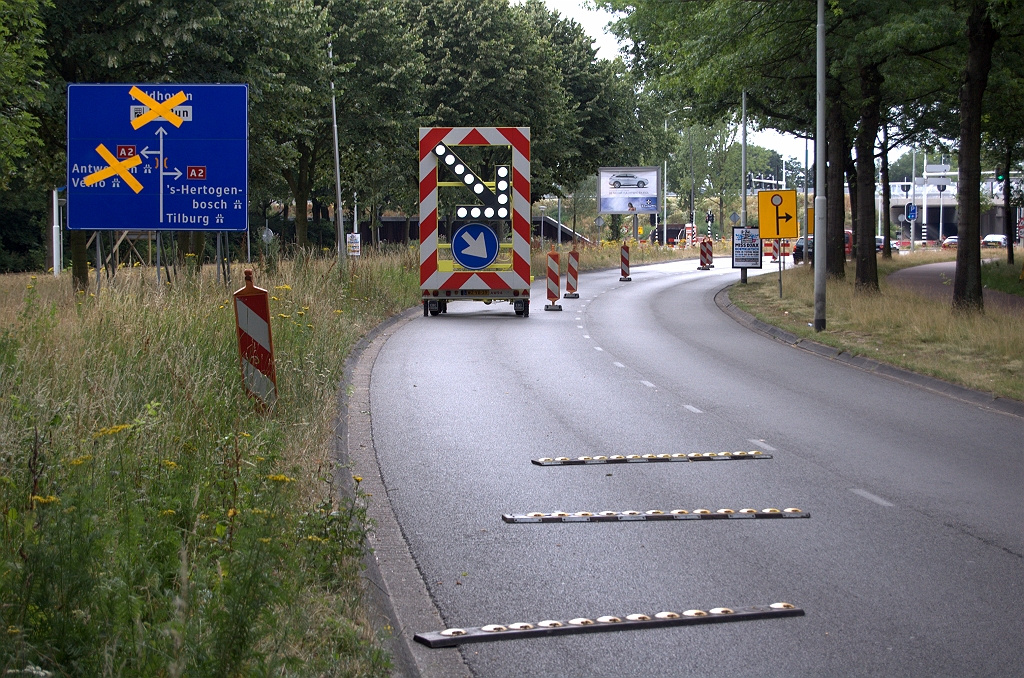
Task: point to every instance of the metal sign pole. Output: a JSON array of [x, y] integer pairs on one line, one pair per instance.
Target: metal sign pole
[[218, 256], [99, 262], [158, 247]]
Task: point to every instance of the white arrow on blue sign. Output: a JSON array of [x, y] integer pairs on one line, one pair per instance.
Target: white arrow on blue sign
[[475, 246], [911, 211]]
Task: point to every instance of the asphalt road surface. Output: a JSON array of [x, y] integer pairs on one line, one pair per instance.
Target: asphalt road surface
[[911, 564]]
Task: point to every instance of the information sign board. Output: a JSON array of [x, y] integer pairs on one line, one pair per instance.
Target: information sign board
[[353, 244], [158, 157], [746, 248]]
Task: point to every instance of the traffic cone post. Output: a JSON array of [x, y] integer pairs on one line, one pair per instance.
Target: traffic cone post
[[624, 263], [554, 282], [572, 275]]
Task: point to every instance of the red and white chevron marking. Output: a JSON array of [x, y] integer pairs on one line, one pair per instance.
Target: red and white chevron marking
[[519, 277], [706, 253], [624, 260], [255, 345], [572, 273], [554, 279]]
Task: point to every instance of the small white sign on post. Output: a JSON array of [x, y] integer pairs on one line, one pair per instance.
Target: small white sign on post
[[353, 244], [746, 247]]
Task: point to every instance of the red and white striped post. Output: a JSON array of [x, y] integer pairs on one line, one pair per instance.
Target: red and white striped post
[[554, 281], [624, 263], [572, 275], [255, 345], [707, 256]]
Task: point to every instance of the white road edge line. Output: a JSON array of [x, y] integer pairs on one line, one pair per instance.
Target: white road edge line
[[766, 446], [579, 327], [647, 383], [618, 364], [871, 497], [693, 409], [586, 336]]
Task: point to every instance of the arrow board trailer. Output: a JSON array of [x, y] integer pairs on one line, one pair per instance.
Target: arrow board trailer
[[479, 248], [158, 157]]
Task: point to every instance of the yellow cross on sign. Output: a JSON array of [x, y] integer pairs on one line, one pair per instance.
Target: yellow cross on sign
[[776, 214], [157, 109], [116, 167]]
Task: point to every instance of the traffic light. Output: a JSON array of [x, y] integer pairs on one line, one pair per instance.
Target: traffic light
[[710, 217], [1001, 175]]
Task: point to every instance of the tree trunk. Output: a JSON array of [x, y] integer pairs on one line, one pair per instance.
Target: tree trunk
[[300, 183], [871, 96], [886, 195], [981, 38], [79, 259], [835, 133], [1009, 225], [408, 227], [851, 181]]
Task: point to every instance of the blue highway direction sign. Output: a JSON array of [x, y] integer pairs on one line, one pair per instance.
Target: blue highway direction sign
[[158, 157], [475, 246]]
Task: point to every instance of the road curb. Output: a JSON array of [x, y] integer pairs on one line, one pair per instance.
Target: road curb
[[394, 590], [962, 393]]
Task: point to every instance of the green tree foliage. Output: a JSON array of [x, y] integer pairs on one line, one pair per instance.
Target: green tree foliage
[[20, 70]]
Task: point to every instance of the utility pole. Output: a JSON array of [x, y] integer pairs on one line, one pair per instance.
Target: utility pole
[[820, 202], [339, 230], [743, 179]]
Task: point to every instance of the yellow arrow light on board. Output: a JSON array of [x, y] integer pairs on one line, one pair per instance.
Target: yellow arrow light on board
[[115, 167], [157, 109]]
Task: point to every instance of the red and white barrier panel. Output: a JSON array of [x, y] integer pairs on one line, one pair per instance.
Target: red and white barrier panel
[[707, 256], [572, 276], [785, 248], [554, 281], [624, 263], [771, 249], [255, 346]]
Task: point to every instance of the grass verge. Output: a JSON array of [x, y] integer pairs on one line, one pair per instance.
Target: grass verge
[[897, 326], [155, 523], [997, 275]]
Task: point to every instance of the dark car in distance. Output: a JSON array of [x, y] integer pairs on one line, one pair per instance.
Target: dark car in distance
[[798, 249]]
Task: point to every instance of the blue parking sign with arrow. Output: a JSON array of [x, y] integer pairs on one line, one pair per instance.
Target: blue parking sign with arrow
[[475, 246]]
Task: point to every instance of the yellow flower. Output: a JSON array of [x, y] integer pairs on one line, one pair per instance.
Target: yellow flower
[[258, 512], [44, 500], [358, 479], [78, 461], [261, 458], [274, 299], [232, 512], [283, 287], [243, 433], [111, 430], [280, 478], [301, 313], [305, 308], [32, 277], [168, 512], [264, 540], [309, 326], [337, 310], [283, 315], [316, 539], [28, 287], [222, 305], [13, 630], [169, 464]]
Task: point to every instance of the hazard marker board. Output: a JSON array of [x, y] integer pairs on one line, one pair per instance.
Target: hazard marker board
[[508, 276], [645, 458], [776, 214], [255, 344], [653, 515], [629, 622]]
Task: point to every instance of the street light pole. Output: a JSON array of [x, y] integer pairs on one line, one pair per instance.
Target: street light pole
[[820, 202], [743, 179], [339, 229]]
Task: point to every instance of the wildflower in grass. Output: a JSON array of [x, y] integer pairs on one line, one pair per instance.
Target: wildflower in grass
[[283, 315], [280, 478], [13, 630], [78, 461], [305, 308], [28, 287], [274, 299], [264, 540], [168, 512], [337, 310], [261, 458], [301, 313], [169, 464], [309, 326], [222, 305], [258, 512], [111, 430], [284, 287], [232, 512], [243, 433], [36, 499], [358, 479], [318, 540]]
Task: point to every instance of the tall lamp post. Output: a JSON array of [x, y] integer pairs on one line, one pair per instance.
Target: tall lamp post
[[664, 188]]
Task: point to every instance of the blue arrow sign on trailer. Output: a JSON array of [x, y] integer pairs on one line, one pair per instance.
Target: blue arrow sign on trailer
[[158, 157], [475, 246]]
